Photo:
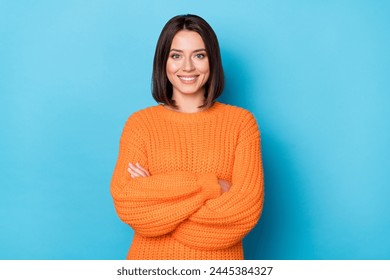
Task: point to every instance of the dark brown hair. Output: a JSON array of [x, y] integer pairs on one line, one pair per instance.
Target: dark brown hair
[[161, 86]]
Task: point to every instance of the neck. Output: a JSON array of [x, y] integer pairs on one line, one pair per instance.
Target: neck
[[189, 103]]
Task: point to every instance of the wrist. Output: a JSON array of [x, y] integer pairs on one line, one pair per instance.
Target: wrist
[[210, 186]]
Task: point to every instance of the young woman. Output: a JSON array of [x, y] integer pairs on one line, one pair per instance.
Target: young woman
[[189, 177]]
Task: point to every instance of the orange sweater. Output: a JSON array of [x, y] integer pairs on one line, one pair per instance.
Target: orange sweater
[[179, 212]]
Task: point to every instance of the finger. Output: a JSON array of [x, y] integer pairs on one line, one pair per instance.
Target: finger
[[137, 170], [143, 169], [132, 173]]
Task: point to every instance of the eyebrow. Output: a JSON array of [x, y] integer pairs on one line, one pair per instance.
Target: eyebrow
[[198, 50]]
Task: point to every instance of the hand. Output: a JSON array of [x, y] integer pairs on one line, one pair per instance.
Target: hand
[[225, 185], [137, 171]]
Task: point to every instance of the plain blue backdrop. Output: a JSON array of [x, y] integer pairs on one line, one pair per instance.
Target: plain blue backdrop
[[314, 73]]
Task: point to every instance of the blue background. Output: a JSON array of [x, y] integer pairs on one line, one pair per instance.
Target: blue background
[[314, 73]]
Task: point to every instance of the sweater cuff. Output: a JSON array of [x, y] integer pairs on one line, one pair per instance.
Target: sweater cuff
[[210, 186]]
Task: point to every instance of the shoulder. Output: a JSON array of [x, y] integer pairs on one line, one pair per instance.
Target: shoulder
[[243, 120], [142, 119], [143, 116], [236, 112], [144, 113]]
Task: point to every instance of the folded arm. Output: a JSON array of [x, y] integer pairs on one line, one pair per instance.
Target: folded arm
[[224, 221], [155, 205]]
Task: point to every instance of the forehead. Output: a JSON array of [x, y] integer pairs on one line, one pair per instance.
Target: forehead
[[187, 40]]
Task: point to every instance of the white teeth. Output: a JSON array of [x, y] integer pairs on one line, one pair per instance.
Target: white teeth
[[187, 78]]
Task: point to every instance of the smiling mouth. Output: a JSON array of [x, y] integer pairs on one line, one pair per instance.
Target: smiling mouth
[[188, 78]]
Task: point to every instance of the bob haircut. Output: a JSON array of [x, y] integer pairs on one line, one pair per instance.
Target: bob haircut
[[161, 87]]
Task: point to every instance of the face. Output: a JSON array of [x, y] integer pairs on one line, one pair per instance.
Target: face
[[188, 65]]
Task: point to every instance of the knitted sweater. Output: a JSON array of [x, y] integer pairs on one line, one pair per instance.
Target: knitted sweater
[[179, 212]]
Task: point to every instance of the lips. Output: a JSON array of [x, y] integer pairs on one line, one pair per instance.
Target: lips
[[187, 78]]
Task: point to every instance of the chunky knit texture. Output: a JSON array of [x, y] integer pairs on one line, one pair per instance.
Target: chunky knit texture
[[179, 212]]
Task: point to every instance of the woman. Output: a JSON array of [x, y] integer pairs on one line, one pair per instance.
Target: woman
[[189, 178]]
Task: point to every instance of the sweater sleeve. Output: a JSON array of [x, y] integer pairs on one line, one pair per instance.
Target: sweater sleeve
[[155, 205], [224, 221]]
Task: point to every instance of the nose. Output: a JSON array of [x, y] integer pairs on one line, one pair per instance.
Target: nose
[[188, 64]]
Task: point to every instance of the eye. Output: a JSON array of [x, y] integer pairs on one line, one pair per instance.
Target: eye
[[175, 56], [200, 55]]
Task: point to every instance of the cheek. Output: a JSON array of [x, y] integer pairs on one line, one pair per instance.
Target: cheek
[[205, 78], [172, 67], [203, 67]]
